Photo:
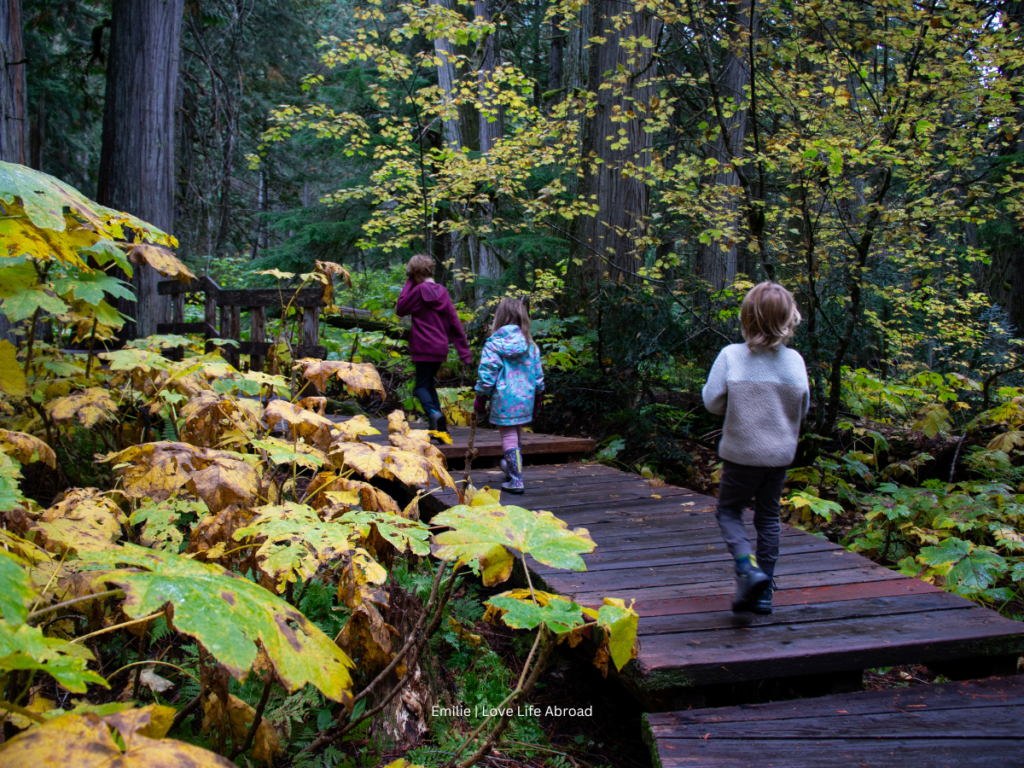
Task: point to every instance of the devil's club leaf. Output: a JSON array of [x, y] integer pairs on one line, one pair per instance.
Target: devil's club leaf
[[12, 375], [477, 530], [84, 520], [25, 647], [282, 452], [160, 518], [401, 533], [558, 614], [620, 623], [16, 590], [296, 542], [359, 378], [86, 741], [162, 260], [88, 407], [229, 616], [302, 422], [26, 448]]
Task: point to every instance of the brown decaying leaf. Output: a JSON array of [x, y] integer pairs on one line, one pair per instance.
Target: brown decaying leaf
[[359, 378], [84, 521], [212, 418], [162, 260], [367, 637], [325, 271], [88, 407], [214, 534], [370, 497], [158, 470], [86, 741], [316, 429], [26, 448], [239, 716]]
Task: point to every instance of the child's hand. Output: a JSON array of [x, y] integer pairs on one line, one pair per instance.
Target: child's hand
[[480, 405]]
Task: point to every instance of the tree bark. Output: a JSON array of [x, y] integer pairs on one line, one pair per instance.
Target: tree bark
[[608, 240], [716, 264], [137, 157], [490, 128], [13, 102], [13, 89]]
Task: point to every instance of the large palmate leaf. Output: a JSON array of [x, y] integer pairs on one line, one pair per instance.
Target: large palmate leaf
[[84, 520], [216, 419], [403, 534], [12, 374], [87, 741], [359, 378], [162, 260], [26, 448], [160, 519], [158, 470], [230, 615], [25, 647], [89, 407], [477, 531], [16, 591], [282, 452], [559, 614], [300, 422], [296, 542]]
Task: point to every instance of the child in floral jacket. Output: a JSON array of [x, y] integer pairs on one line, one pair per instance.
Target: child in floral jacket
[[510, 374]]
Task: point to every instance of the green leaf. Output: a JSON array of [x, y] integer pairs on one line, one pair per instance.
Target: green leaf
[[229, 615], [161, 531], [977, 572], [90, 287], [477, 530], [16, 592], [559, 615], [621, 625], [1017, 572], [283, 452], [25, 647], [105, 251], [21, 303], [950, 551], [404, 535], [296, 542]]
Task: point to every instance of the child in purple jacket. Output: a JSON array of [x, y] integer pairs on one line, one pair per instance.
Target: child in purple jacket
[[434, 323], [511, 375]]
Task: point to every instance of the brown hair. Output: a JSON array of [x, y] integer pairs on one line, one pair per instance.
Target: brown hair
[[512, 312], [420, 265], [768, 316]]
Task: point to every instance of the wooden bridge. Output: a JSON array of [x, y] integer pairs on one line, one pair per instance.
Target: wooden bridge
[[836, 614]]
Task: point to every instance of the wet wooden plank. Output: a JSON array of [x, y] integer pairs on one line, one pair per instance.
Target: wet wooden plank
[[954, 725]]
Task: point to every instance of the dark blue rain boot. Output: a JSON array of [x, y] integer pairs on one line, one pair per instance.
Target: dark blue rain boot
[[514, 468], [751, 582], [763, 604]]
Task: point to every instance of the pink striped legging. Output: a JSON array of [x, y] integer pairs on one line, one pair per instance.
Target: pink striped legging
[[511, 437]]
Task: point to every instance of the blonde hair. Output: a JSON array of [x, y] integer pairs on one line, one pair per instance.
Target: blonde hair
[[768, 316], [512, 312], [420, 265]]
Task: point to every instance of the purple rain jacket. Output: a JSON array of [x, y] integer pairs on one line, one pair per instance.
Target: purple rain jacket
[[434, 323]]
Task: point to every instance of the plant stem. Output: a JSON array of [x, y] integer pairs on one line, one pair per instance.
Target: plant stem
[[116, 627], [146, 662], [256, 720], [76, 601]]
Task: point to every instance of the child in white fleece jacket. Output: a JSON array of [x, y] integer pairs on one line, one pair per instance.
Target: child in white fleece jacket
[[761, 387]]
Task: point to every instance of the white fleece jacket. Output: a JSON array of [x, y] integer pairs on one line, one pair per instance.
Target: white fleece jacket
[[764, 396]]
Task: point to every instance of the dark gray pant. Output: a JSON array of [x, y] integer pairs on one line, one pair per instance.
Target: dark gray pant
[[740, 484]]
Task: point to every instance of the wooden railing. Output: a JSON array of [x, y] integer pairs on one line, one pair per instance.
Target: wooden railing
[[227, 305]]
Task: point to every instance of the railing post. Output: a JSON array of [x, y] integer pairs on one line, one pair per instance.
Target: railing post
[[257, 334]]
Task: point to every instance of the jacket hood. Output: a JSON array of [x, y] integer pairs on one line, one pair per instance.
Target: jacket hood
[[509, 341], [433, 294]]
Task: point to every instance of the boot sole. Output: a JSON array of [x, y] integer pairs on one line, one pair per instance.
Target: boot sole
[[516, 491]]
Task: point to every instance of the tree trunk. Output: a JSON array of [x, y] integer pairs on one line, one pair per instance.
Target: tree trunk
[[13, 102], [556, 56], [137, 157], [608, 240], [491, 123], [460, 248], [721, 260], [13, 90]]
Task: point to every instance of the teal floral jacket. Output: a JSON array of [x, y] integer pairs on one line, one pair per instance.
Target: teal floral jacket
[[510, 372]]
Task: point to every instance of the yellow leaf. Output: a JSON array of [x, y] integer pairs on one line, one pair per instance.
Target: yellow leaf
[[162, 260], [359, 378], [86, 741], [26, 448], [88, 407], [84, 521], [12, 377]]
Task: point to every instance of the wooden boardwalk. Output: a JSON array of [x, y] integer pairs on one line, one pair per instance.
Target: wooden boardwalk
[[837, 613], [953, 725], [536, 447]]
